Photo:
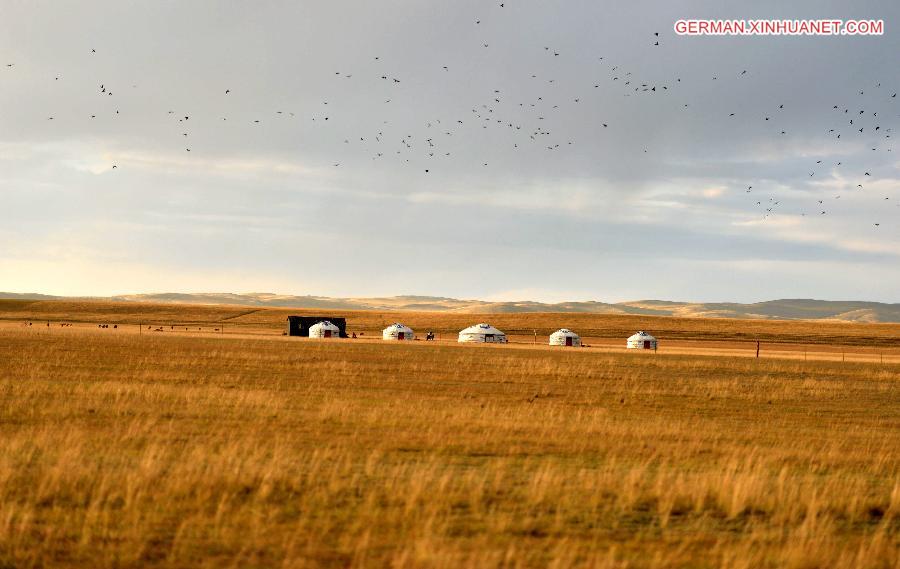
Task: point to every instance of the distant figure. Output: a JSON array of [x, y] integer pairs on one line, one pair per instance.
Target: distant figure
[[354, 335], [429, 337], [115, 326]]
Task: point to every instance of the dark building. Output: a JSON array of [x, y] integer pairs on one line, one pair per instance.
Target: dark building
[[299, 325]]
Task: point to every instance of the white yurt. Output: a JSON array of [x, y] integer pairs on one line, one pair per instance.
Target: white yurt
[[641, 341], [565, 337], [397, 331], [484, 333], [324, 329]]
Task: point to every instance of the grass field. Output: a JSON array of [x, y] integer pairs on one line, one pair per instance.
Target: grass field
[[796, 339], [250, 449], [618, 327]]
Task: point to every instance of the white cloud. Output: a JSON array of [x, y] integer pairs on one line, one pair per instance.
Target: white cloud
[[797, 229]]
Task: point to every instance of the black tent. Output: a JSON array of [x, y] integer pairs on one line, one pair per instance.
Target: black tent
[[299, 325]]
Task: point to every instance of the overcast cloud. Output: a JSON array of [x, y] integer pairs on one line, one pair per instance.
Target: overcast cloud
[[652, 205]]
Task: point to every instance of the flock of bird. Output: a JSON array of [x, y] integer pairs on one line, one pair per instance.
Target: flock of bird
[[858, 125], [528, 121]]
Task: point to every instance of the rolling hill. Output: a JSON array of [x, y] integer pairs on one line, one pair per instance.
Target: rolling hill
[[785, 309]]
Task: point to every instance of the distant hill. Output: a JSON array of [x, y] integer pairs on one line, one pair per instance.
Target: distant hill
[[787, 309]]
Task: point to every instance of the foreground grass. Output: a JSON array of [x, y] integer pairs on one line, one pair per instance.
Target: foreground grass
[[120, 450]]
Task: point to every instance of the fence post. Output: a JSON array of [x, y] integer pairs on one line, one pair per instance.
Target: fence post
[[757, 348]]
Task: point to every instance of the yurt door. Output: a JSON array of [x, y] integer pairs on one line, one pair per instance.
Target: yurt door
[[327, 333], [646, 344], [488, 337], [568, 340], [400, 335]]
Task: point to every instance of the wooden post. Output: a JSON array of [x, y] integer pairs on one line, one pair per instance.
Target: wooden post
[[535, 336], [757, 348]]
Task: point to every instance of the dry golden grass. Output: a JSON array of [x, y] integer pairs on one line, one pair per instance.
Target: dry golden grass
[[618, 327], [119, 450]]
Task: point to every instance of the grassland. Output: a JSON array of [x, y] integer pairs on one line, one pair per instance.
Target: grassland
[[248, 319], [249, 449]]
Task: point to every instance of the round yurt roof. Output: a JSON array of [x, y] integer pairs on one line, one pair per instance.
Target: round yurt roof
[[324, 325], [641, 336], [397, 327], [481, 329], [564, 332]]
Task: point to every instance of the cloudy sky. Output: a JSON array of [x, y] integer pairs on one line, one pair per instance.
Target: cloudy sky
[[509, 153]]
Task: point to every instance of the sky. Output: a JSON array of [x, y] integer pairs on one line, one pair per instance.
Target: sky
[[542, 150]]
